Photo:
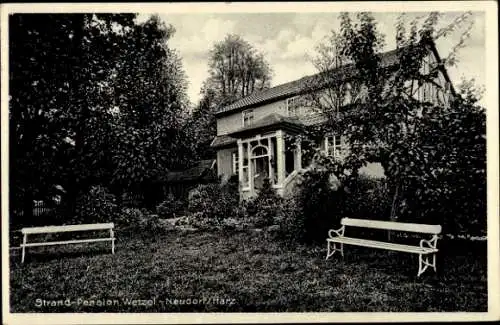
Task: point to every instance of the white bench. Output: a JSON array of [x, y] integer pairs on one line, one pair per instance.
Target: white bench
[[67, 228], [425, 250]]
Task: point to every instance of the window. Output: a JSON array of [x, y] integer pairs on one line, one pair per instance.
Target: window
[[293, 106], [234, 161], [347, 94], [333, 145], [248, 117]]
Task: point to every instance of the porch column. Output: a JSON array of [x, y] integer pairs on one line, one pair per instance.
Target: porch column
[[240, 163], [298, 153], [250, 173], [271, 158], [280, 159]]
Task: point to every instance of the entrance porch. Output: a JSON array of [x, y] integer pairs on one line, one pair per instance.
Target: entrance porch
[[274, 155]]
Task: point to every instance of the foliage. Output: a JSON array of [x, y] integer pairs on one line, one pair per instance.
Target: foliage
[[265, 206], [98, 205], [149, 91], [317, 203], [210, 204], [101, 99], [236, 70], [202, 126], [139, 222], [321, 201], [386, 117], [57, 66], [170, 207], [448, 183], [130, 218]]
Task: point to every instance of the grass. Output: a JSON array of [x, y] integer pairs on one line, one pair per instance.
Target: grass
[[243, 272]]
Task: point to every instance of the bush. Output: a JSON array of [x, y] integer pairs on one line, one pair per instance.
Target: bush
[[130, 218], [98, 205], [291, 221], [265, 206], [170, 207], [366, 198], [320, 203], [211, 203], [317, 206], [140, 222]]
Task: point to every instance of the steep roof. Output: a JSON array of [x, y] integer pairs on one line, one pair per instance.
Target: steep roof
[[298, 86]]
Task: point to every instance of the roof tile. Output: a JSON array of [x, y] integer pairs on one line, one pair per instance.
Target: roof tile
[[297, 86]]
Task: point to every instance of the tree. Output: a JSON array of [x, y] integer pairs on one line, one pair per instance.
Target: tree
[[95, 100], [236, 70], [57, 64], [385, 122], [202, 126], [149, 93]]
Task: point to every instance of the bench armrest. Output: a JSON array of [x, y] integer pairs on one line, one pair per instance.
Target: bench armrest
[[339, 232], [431, 243]]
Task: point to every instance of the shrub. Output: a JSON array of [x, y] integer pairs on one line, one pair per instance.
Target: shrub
[[367, 198], [291, 221], [170, 207], [211, 203], [316, 204], [98, 205], [140, 222], [321, 202], [130, 219], [265, 206]]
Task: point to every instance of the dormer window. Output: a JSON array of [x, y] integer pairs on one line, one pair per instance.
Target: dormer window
[[248, 117], [293, 106]]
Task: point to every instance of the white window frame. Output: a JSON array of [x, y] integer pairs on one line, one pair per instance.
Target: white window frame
[[337, 148], [234, 163], [249, 112]]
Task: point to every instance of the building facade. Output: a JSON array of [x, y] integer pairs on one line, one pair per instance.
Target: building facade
[[258, 136]]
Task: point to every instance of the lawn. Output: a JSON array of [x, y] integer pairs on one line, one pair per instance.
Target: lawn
[[242, 272]]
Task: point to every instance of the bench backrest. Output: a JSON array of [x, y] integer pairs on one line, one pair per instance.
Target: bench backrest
[[52, 229], [390, 225]]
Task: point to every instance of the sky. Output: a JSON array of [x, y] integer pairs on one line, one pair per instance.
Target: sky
[[288, 40]]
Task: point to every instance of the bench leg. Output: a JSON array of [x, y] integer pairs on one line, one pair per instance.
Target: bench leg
[[328, 254], [112, 235], [23, 253], [331, 251], [423, 263], [421, 267]]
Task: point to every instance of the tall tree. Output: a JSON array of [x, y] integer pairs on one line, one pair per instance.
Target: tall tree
[[56, 66], [149, 92], [95, 99], [236, 70]]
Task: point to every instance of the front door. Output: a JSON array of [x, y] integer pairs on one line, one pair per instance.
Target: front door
[[260, 171]]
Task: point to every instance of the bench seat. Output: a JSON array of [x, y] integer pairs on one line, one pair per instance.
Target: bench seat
[[383, 245], [426, 250], [67, 228], [75, 241]]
